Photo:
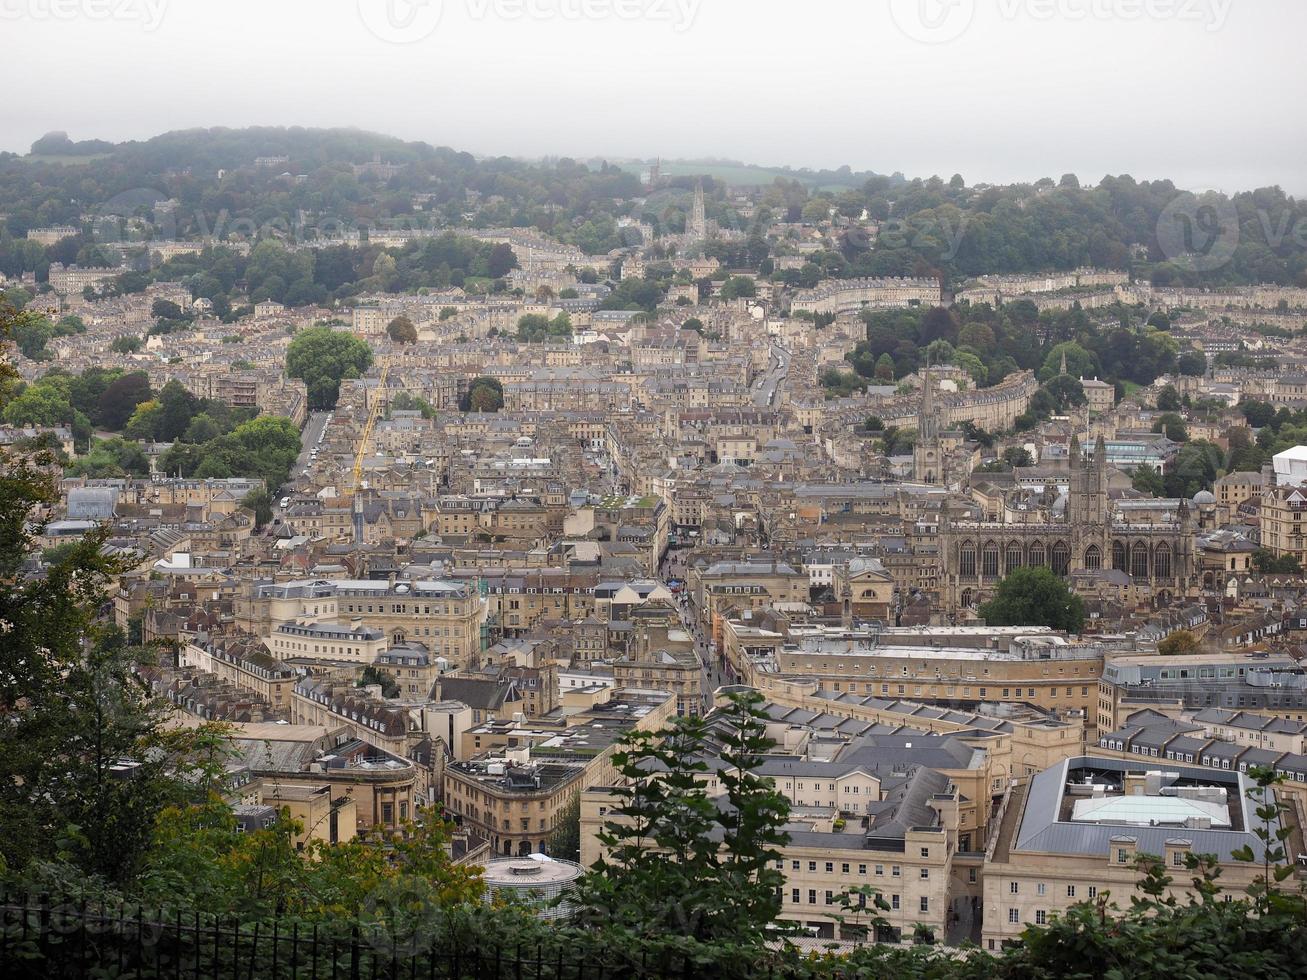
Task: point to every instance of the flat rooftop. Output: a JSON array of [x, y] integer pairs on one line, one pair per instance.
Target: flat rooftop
[[1149, 811]]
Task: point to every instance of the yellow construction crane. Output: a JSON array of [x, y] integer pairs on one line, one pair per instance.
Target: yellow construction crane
[[365, 441]]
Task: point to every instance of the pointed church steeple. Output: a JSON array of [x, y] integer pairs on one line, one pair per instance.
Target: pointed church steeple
[[927, 421], [1062, 370]]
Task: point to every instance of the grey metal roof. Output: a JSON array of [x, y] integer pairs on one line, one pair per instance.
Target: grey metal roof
[[1041, 829]]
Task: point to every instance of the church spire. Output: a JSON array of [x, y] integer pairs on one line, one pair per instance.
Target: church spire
[[927, 423], [1062, 370], [698, 219]]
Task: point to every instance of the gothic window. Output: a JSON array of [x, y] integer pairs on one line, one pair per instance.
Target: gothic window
[[1037, 558], [1013, 555], [1162, 561], [1139, 560], [967, 562], [1093, 558], [1061, 558], [1118, 556], [989, 559], [966, 598]]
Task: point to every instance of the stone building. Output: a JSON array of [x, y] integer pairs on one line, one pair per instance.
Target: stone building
[[1081, 532]]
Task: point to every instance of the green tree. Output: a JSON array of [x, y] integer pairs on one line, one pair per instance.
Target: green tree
[[675, 860], [114, 457], [202, 428], [1192, 363], [120, 399], [75, 712], [737, 287], [1080, 363], [406, 401], [39, 404], [1168, 399], [1179, 643], [374, 675], [1269, 563], [1065, 391], [322, 358], [535, 328], [177, 407], [1147, 479], [125, 344], [1018, 456], [259, 502], [1258, 414], [1034, 597], [402, 331], [1172, 426], [565, 839], [484, 395]]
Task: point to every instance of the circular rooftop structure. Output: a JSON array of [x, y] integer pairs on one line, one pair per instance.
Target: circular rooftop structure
[[534, 880]]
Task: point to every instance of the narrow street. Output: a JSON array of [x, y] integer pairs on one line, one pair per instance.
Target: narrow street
[[713, 676]]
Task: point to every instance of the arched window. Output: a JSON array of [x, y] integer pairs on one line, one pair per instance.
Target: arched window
[[1139, 560], [1013, 555], [1118, 556], [989, 560], [1061, 558], [967, 560], [1037, 558], [1093, 558], [1162, 561], [966, 598]]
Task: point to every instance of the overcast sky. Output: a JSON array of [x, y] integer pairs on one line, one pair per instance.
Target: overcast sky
[[1207, 92]]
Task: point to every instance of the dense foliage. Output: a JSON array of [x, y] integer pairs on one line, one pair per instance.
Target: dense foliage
[[264, 447], [923, 227], [1034, 597], [1114, 344], [322, 358]]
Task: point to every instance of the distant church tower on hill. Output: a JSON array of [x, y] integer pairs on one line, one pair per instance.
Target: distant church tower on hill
[[697, 229], [927, 452]]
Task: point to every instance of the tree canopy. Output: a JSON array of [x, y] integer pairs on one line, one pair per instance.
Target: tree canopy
[[1035, 597], [322, 358]]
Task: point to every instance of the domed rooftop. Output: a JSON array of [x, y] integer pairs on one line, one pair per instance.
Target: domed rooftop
[[1204, 497]]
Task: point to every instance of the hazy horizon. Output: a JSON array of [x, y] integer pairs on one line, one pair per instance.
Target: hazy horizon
[[1199, 92]]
